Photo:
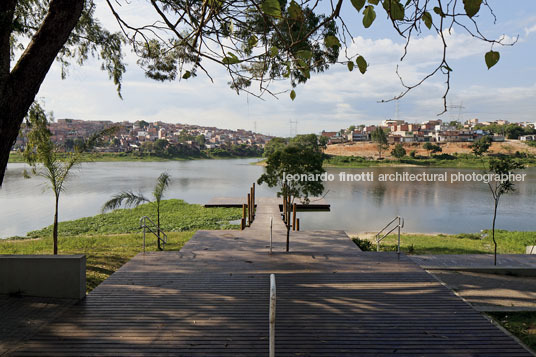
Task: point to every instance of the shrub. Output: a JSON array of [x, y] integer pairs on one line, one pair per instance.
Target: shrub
[[363, 244]]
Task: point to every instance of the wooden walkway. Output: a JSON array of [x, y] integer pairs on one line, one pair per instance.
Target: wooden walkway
[[211, 299]]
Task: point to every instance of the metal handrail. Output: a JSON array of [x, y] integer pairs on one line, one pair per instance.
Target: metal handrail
[[145, 227], [398, 226]]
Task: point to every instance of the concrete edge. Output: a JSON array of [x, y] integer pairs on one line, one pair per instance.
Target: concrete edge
[[511, 271]]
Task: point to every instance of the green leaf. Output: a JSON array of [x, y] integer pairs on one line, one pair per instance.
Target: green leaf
[[305, 54], [446, 67], [230, 59], [271, 8], [427, 18], [439, 11], [358, 4], [368, 16], [294, 10], [361, 64], [186, 75], [492, 57], [375, 2], [252, 41], [292, 94], [472, 7], [394, 8], [350, 66], [331, 41], [274, 51]]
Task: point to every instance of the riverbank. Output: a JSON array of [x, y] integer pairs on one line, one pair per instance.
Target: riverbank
[[16, 157], [436, 161], [508, 242], [110, 240]]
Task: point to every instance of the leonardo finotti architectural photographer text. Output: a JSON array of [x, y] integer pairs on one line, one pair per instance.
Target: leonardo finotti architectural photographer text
[[370, 176]]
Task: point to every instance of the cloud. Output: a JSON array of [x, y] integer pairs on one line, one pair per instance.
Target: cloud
[[529, 30]]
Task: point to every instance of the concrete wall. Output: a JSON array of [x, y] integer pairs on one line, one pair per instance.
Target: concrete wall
[[61, 276], [530, 249]]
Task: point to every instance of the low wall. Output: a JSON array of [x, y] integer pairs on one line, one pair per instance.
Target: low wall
[[60, 276], [530, 249]]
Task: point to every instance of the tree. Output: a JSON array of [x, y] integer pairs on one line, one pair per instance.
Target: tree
[[256, 42], [503, 167], [47, 161], [481, 146], [130, 199], [274, 145], [431, 148], [399, 151], [351, 128], [380, 138], [300, 158]]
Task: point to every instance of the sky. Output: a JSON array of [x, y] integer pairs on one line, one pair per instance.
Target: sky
[[328, 101]]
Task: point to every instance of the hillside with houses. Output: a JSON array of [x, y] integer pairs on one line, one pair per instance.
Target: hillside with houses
[[166, 139], [399, 131]]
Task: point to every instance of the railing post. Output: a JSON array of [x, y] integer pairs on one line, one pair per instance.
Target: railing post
[[377, 243], [144, 225], [271, 225], [398, 249], [272, 316], [297, 224]]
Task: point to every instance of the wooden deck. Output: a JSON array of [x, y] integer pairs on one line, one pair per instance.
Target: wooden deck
[[211, 299]]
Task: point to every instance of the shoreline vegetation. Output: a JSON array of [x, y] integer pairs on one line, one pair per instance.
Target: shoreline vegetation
[[16, 157], [467, 161], [436, 161]]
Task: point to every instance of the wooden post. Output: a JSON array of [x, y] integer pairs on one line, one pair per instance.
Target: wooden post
[[249, 209], [298, 224], [253, 200], [252, 204], [243, 223], [294, 217]]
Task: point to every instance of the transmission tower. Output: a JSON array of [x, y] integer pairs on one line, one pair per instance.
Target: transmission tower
[[293, 128], [460, 108]]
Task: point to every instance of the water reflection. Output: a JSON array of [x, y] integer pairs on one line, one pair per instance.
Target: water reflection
[[356, 206]]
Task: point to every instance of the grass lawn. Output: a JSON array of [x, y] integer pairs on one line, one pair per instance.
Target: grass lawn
[[520, 324], [467, 243], [110, 240], [104, 253]]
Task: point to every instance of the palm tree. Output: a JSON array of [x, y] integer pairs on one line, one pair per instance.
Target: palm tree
[[48, 162], [130, 199]]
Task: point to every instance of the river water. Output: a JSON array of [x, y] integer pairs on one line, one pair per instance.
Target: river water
[[26, 204]]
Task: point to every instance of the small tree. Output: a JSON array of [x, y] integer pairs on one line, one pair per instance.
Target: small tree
[[46, 160], [302, 156], [380, 138], [432, 149], [399, 151], [502, 166], [481, 146], [130, 199]]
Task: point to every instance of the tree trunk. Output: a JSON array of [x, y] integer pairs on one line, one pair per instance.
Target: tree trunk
[[288, 237], [55, 228], [19, 87], [493, 231], [158, 223]]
